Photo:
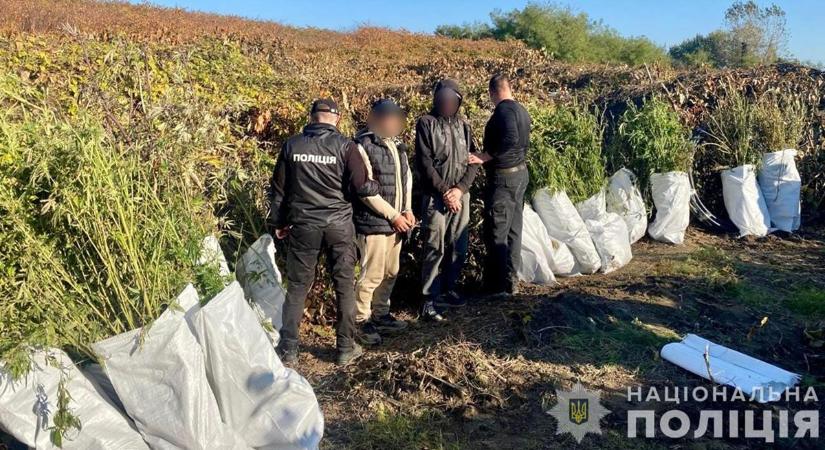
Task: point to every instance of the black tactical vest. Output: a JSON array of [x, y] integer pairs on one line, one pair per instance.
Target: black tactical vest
[[316, 165]]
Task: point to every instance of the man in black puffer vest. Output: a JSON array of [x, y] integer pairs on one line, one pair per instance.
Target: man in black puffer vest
[[317, 174], [381, 220]]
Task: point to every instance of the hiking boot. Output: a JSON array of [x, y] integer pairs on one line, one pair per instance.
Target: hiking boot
[[430, 312], [288, 353], [389, 324], [347, 357], [367, 334], [451, 300]]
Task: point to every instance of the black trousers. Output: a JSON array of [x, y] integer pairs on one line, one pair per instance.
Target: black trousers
[[503, 213], [306, 243]]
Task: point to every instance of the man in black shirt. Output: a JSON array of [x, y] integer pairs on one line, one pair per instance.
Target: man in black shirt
[[506, 139], [317, 174]]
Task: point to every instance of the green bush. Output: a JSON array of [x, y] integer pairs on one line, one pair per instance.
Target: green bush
[[95, 240], [565, 151], [730, 132], [563, 34], [651, 139], [779, 122]]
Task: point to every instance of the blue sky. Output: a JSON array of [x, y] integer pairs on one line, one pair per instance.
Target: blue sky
[[665, 22]]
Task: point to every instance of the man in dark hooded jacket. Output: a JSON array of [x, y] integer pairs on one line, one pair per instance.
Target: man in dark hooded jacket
[[443, 143], [317, 175]]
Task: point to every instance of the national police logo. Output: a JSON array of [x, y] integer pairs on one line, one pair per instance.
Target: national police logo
[[578, 412]]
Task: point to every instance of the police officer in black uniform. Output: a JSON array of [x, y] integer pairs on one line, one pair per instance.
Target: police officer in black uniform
[[318, 174], [506, 140]]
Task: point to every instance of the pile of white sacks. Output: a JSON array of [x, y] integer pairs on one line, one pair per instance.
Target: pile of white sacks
[[761, 203], [197, 378], [563, 239]]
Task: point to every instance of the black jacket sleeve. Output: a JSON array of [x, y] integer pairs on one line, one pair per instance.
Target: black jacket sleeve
[[359, 177], [472, 169], [278, 206], [424, 154]]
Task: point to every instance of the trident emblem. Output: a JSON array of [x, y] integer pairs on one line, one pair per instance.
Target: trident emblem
[[578, 410]]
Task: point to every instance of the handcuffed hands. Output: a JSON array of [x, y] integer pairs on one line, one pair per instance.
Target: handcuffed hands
[[401, 224], [452, 198]]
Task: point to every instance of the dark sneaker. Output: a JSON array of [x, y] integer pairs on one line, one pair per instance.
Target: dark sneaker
[[389, 324], [367, 334], [451, 300], [288, 353], [431, 313], [347, 357]]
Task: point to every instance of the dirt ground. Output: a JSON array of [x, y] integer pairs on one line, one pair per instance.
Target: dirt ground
[[486, 377]]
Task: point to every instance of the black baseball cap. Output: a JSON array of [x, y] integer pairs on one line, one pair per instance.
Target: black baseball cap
[[324, 105], [386, 107]]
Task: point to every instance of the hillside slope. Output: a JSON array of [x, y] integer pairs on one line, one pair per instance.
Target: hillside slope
[[127, 132]]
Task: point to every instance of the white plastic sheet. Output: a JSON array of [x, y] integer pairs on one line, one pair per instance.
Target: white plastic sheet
[[536, 250], [624, 199], [608, 232], [671, 197], [271, 406], [781, 185], [159, 375], [562, 221], [730, 367], [744, 201], [261, 279], [28, 405]]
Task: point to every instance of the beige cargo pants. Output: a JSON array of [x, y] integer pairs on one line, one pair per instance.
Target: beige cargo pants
[[380, 258]]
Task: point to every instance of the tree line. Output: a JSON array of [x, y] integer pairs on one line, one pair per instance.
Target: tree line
[[752, 35]]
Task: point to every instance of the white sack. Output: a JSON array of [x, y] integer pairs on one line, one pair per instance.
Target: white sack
[[28, 405], [608, 232], [730, 367], [271, 406], [536, 250], [162, 383], [593, 208], [211, 254], [261, 279], [562, 221], [744, 201], [624, 199], [95, 373], [781, 185], [671, 197], [563, 263], [610, 236]]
